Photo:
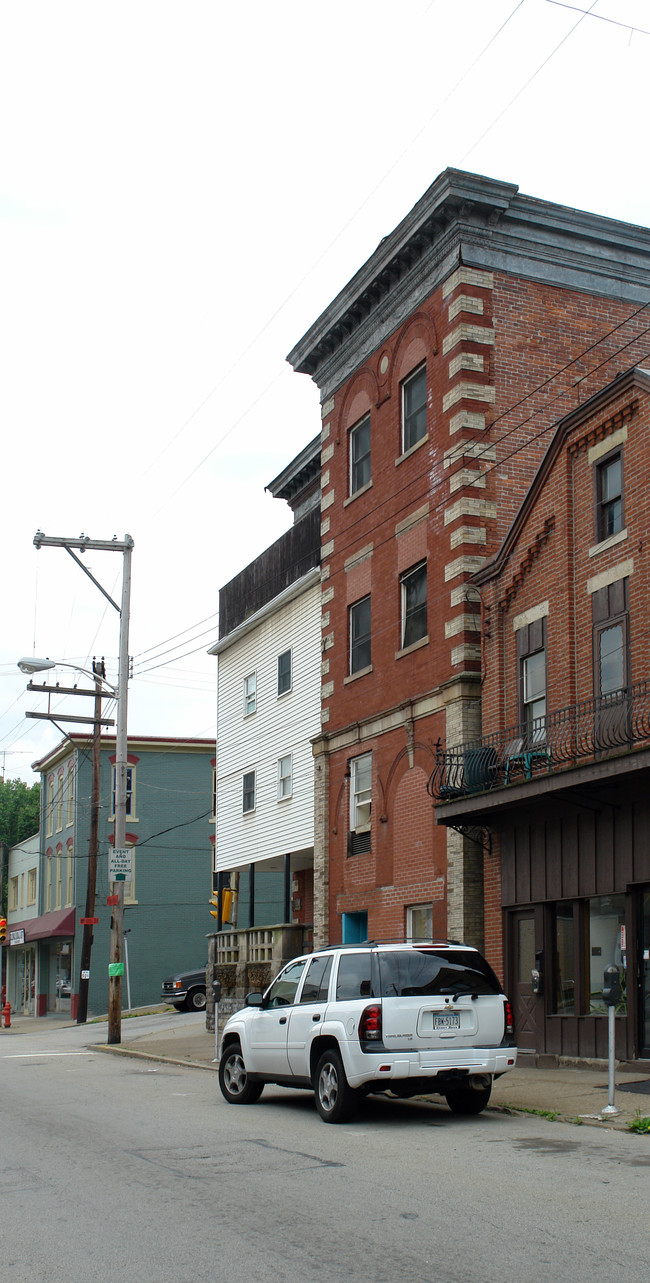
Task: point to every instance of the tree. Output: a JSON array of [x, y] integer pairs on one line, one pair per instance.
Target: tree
[[19, 810]]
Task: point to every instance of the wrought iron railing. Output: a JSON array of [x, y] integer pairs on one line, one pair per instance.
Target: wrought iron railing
[[592, 729]]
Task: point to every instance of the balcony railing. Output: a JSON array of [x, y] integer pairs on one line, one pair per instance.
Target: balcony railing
[[591, 730]]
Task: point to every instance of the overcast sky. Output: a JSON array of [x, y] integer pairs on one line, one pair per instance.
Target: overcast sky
[[183, 189]]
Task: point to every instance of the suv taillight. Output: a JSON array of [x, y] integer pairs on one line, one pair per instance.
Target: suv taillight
[[370, 1024], [508, 1017]]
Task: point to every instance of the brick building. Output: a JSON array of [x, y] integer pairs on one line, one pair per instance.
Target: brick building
[[558, 787], [442, 366]]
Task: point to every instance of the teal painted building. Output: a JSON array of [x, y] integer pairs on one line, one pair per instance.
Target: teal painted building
[[170, 826]]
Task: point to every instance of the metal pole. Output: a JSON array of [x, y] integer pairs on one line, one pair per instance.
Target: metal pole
[[91, 886], [116, 965], [610, 1108], [128, 974]]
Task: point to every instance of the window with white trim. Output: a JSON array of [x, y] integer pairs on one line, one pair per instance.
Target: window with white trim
[[419, 922], [59, 802], [31, 886], [49, 807], [250, 694], [69, 817], [69, 878], [285, 776], [360, 792]]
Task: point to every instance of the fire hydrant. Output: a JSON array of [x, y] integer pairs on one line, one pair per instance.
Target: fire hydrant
[[6, 1011]]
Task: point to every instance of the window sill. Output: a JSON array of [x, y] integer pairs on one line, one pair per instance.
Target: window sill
[[407, 453], [608, 543], [353, 677], [408, 650], [357, 494]]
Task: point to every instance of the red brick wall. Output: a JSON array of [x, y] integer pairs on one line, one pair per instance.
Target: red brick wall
[[537, 331]]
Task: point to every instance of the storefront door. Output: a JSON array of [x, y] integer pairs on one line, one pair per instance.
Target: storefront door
[[523, 945], [644, 972]]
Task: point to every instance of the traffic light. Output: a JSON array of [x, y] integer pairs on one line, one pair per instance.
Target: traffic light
[[226, 904], [3, 930]]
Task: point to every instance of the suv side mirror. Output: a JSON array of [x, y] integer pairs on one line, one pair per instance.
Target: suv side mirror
[[254, 999]]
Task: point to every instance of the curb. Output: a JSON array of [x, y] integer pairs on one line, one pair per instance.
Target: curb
[[118, 1050]]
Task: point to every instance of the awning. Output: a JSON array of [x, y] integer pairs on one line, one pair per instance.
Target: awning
[[58, 923]]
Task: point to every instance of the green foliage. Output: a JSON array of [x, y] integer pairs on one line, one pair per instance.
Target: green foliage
[[19, 810], [639, 1124]]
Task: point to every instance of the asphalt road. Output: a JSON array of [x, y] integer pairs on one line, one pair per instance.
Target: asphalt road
[[120, 1169]]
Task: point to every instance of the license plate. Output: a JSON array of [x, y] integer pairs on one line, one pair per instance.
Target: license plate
[[451, 1020]]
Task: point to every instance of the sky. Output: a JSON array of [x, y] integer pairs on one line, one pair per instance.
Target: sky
[[183, 189]]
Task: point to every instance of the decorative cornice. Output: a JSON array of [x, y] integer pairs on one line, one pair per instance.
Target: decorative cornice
[[480, 223]]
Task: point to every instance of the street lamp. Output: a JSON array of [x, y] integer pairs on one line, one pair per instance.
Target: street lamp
[[31, 664]]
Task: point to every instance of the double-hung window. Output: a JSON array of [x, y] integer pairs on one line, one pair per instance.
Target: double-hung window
[[610, 606], [360, 804], [284, 672], [610, 615], [609, 496], [414, 408], [360, 455], [414, 604], [285, 776], [248, 792], [360, 635], [531, 651], [360, 791], [250, 694]]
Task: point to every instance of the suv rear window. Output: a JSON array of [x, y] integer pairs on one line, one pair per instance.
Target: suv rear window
[[422, 973]]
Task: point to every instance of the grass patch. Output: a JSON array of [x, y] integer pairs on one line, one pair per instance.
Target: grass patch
[[550, 1114], [639, 1124]]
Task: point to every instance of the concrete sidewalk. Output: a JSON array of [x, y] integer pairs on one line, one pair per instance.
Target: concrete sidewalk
[[575, 1095]]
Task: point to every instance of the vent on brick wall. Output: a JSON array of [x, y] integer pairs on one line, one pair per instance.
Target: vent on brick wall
[[358, 843]]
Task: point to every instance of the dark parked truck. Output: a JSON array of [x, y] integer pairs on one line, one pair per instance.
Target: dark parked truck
[[185, 990]]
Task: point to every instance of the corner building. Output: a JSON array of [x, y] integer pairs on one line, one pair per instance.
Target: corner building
[[442, 366]]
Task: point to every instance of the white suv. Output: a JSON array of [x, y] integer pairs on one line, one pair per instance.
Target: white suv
[[410, 1019]]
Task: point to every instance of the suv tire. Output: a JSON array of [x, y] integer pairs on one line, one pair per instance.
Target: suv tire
[[335, 1100], [468, 1100], [234, 1082]]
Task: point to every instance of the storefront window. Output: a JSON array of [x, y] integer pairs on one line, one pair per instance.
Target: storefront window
[[606, 945], [564, 960]]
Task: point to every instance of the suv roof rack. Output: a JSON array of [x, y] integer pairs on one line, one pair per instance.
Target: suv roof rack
[[373, 944]]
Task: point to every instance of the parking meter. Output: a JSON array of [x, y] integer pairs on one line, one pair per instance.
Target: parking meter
[[612, 986], [216, 990]]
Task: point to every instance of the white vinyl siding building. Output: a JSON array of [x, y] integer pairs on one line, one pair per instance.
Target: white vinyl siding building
[[281, 726]]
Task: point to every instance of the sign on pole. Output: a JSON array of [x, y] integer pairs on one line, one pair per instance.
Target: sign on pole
[[120, 863]]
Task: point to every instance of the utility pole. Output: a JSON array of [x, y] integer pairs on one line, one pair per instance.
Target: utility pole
[[116, 963], [91, 885], [125, 546]]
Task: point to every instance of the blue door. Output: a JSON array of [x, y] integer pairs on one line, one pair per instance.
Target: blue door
[[355, 928]]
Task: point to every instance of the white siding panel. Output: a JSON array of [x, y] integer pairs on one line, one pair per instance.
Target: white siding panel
[[281, 724]]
